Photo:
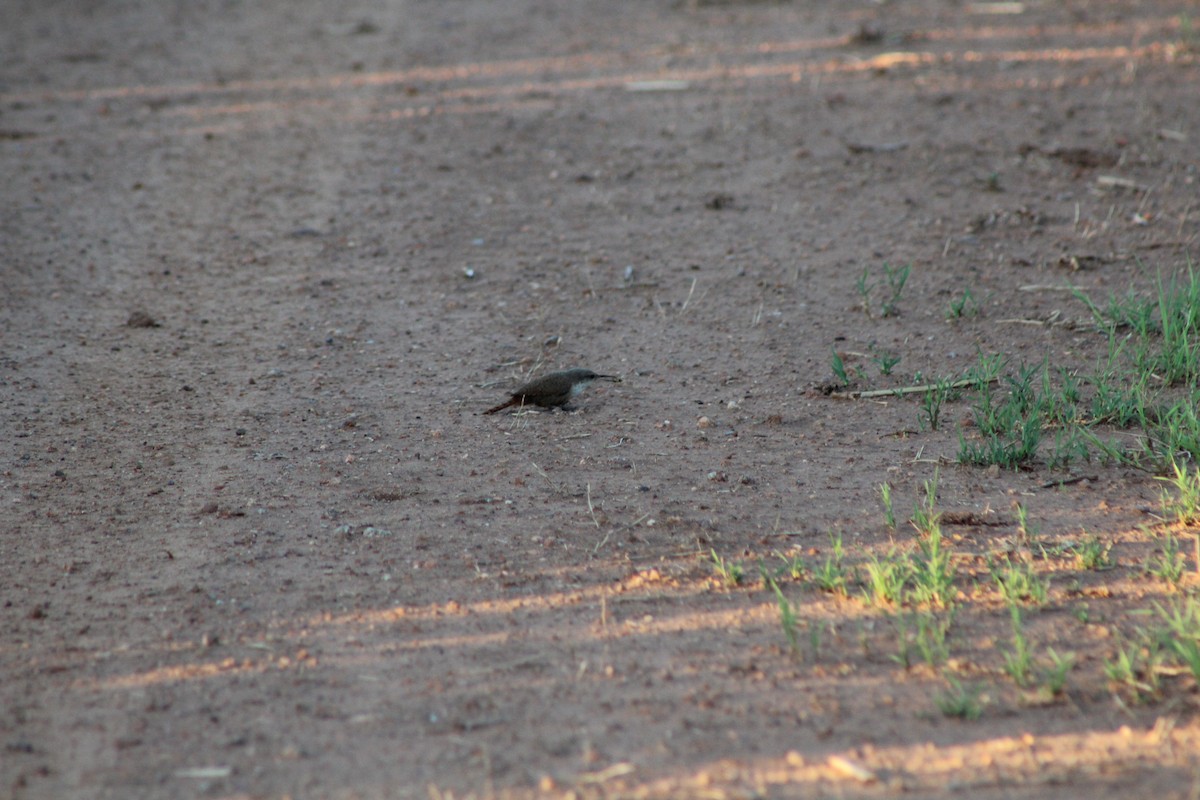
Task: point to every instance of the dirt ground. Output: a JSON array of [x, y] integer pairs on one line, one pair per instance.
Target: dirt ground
[[264, 264]]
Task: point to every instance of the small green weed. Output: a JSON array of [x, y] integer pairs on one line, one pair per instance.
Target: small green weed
[[894, 277], [904, 644], [1057, 401], [887, 578], [1056, 675], [1181, 636], [1123, 667], [1070, 445], [1169, 565], [1011, 450], [1026, 533], [787, 615], [1019, 662], [1128, 312], [960, 701], [932, 400], [1135, 666], [815, 629], [931, 637], [1120, 397], [1177, 358], [963, 306], [831, 575], [884, 360], [1173, 429], [923, 633], [1011, 424], [889, 513], [1019, 583], [864, 286], [730, 572], [933, 573], [1010, 428], [793, 565], [1182, 505], [985, 371], [838, 365], [1188, 652], [1093, 554], [925, 517], [1182, 618]]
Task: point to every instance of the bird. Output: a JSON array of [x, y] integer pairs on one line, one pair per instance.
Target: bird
[[553, 389]]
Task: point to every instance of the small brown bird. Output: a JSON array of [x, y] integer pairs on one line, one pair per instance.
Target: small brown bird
[[553, 389]]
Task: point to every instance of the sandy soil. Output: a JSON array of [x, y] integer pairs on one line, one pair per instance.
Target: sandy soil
[[264, 264]]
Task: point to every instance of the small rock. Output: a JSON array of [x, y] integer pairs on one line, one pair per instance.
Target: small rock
[[140, 319], [719, 202]]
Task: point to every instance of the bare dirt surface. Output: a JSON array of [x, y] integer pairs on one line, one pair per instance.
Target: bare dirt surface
[[264, 264]]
